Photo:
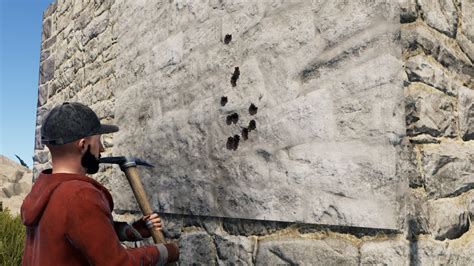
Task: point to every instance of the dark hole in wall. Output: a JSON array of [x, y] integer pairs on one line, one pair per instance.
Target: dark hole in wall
[[230, 143], [236, 142], [252, 125], [223, 100], [245, 133], [227, 38], [233, 142], [253, 109], [235, 77], [233, 118]]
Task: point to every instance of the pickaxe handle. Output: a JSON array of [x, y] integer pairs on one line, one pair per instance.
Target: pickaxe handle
[[140, 194]]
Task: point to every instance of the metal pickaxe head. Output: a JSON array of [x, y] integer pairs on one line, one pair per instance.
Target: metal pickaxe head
[[125, 162]]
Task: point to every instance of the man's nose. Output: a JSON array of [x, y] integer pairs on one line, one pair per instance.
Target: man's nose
[[101, 147]]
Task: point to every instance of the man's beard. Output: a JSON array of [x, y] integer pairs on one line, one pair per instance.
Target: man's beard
[[89, 162]]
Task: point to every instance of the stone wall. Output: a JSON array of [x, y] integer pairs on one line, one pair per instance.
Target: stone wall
[[328, 172]]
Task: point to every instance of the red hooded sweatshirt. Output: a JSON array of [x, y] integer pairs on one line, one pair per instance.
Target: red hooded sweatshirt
[[68, 222]]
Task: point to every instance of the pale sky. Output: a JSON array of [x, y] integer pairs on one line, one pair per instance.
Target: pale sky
[[20, 42]]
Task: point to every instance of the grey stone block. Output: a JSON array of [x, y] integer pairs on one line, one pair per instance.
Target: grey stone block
[[441, 15], [416, 215], [46, 70], [95, 28], [42, 95], [466, 113], [429, 111], [467, 21], [425, 69], [38, 144], [385, 252], [449, 218], [407, 164], [408, 11], [196, 248], [46, 29], [417, 35], [44, 55], [48, 43], [467, 46], [235, 250], [447, 167]]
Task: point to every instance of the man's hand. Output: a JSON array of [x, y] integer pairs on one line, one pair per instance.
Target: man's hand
[[146, 222]]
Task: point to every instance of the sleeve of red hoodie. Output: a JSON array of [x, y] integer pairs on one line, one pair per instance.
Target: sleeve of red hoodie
[[90, 228]]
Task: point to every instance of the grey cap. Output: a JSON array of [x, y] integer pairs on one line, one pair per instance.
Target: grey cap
[[71, 121]]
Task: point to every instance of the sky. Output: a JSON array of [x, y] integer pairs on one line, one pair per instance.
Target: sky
[[20, 42]]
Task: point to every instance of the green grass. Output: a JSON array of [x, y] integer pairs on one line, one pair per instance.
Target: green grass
[[12, 238]]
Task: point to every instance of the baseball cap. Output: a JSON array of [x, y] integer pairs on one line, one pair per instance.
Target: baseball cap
[[70, 121]]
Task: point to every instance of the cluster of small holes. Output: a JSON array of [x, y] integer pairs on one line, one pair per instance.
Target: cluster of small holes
[[233, 141]]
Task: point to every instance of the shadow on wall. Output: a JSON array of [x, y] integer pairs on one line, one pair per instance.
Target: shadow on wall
[[412, 236]]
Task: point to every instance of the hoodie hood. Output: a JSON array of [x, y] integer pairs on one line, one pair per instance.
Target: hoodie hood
[[36, 201]]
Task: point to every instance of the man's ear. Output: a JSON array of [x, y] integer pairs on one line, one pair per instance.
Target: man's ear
[[82, 145]]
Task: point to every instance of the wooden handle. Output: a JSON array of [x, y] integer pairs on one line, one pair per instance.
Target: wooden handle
[[140, 195]]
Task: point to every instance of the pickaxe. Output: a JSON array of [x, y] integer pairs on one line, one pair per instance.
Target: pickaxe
[[129, 166]]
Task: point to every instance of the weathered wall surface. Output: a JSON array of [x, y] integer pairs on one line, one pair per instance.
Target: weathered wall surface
[[360, 148], [327, 113]]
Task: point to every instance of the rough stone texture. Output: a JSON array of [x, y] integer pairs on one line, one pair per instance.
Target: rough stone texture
[[418, 36], [196, 248], [429, 112], [385, 252], [448, 168], [328, 150], [467, 21], [449, 218], [466, 113], [407, 165], [462, 254], [408, 11], [466, 46], [417, 214], [234, 250], [441, 15], [470, 204], [338, 125], [307, 252], [46, 71], [427, 70], [425, 251]]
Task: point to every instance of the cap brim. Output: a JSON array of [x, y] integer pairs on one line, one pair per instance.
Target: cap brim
[[104, 129]]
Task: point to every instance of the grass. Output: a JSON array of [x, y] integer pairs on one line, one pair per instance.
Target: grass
[[12, 238]]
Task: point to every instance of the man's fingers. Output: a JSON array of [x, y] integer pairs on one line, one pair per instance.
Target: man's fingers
[[151, 224], [152, 216], [153, 220]]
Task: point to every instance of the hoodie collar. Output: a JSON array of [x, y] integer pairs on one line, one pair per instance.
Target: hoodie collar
[[36, 201]]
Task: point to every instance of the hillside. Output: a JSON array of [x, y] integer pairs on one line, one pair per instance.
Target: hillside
[[15, 183]]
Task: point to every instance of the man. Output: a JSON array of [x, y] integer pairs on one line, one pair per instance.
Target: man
[[68, 214]]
